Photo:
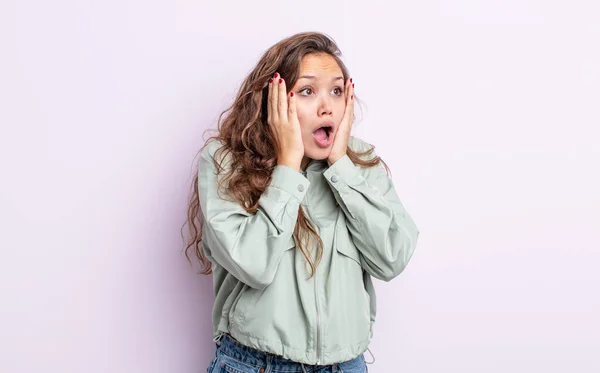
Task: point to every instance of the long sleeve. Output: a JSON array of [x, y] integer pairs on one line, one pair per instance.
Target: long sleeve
[[379, 225], [249, 246]]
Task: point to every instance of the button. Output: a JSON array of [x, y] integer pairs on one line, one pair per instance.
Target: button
[[334, 179], [301, 188]]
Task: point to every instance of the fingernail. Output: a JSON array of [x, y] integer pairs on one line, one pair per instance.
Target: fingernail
[[352, 97], [350, 80], [270, 80], [352, 85], [280, 80], [291, 94], [276, 75]]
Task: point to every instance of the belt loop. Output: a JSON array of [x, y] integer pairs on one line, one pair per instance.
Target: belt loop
[[269, 363]]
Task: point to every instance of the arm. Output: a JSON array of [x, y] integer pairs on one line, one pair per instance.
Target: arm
[[379, 225], [250, 246]]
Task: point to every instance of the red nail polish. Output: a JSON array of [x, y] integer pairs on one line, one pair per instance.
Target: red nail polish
[[292, 94], [270, 80], [276, 75], [352, 85], [280, 80], [352, 97], [350, 80]]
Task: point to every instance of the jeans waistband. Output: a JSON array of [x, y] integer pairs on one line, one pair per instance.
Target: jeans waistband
[[251, 356]]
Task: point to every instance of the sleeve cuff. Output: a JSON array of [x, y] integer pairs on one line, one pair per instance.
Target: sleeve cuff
[[343, 172], [290, 181]]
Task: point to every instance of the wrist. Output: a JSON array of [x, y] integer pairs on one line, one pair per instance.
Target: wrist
[[332, 160], [291, 164]]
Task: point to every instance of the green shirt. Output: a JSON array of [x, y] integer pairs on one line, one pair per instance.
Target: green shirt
[[264, 297]]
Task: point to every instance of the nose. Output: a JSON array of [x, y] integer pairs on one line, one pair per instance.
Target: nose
[[325, 106]]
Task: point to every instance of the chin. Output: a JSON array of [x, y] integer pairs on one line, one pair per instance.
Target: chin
[[318, 153]]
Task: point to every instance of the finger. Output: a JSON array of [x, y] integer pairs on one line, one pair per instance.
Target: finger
[[292, 114], [269, 105], [351, 101], [349, 89], [283, 106], [349, 110], [275, 98]]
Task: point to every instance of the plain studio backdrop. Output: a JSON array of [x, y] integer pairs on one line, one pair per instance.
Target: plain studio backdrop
[[487, 113]]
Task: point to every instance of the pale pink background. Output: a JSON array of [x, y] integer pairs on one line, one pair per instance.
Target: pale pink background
[[487, 113]]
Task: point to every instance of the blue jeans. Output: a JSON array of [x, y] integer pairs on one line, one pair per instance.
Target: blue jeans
[[233, 357]]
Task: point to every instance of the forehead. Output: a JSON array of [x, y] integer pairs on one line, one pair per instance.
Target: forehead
[[319, 65]]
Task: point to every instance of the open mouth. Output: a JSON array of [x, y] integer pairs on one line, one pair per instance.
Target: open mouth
[[323, 135], [324, 132]]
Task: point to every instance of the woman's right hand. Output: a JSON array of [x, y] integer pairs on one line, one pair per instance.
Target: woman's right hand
[[283, 119]]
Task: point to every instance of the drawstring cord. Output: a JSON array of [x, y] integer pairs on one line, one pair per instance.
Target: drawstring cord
[[218, 337], [373, 356]]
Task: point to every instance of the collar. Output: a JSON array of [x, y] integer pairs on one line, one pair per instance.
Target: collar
[[315, 165]]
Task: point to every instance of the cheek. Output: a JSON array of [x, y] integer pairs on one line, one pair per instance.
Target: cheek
[[338, 111], [303, 117]]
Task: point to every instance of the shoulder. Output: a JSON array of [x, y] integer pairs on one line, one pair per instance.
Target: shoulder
[[213, 166], [359, 145], [213, 150], [210, 148]]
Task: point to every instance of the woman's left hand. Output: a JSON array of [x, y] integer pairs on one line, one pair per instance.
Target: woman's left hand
[[340, 142]]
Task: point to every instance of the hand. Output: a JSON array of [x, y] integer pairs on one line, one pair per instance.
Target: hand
[[283, 120], [340, 142]]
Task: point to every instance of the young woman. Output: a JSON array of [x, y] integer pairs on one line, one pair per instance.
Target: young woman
[[293, 217]]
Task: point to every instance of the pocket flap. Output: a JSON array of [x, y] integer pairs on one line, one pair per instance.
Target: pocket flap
[[291, 243], [344, 244]]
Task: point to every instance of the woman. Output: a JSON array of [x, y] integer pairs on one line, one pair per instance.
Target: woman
[[295, 217]]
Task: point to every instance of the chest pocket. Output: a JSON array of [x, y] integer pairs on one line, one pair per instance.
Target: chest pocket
[[349, 278], [343, 243]]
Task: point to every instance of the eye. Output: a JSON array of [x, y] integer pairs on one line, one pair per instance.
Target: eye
[[338, 91], [306, 89]]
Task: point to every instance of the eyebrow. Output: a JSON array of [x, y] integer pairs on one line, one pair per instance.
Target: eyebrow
[[314, 77]]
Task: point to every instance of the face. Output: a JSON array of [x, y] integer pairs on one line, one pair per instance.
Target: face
[[319, 93]]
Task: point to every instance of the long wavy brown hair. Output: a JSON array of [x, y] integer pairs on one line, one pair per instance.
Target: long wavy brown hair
[[249, 140]]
